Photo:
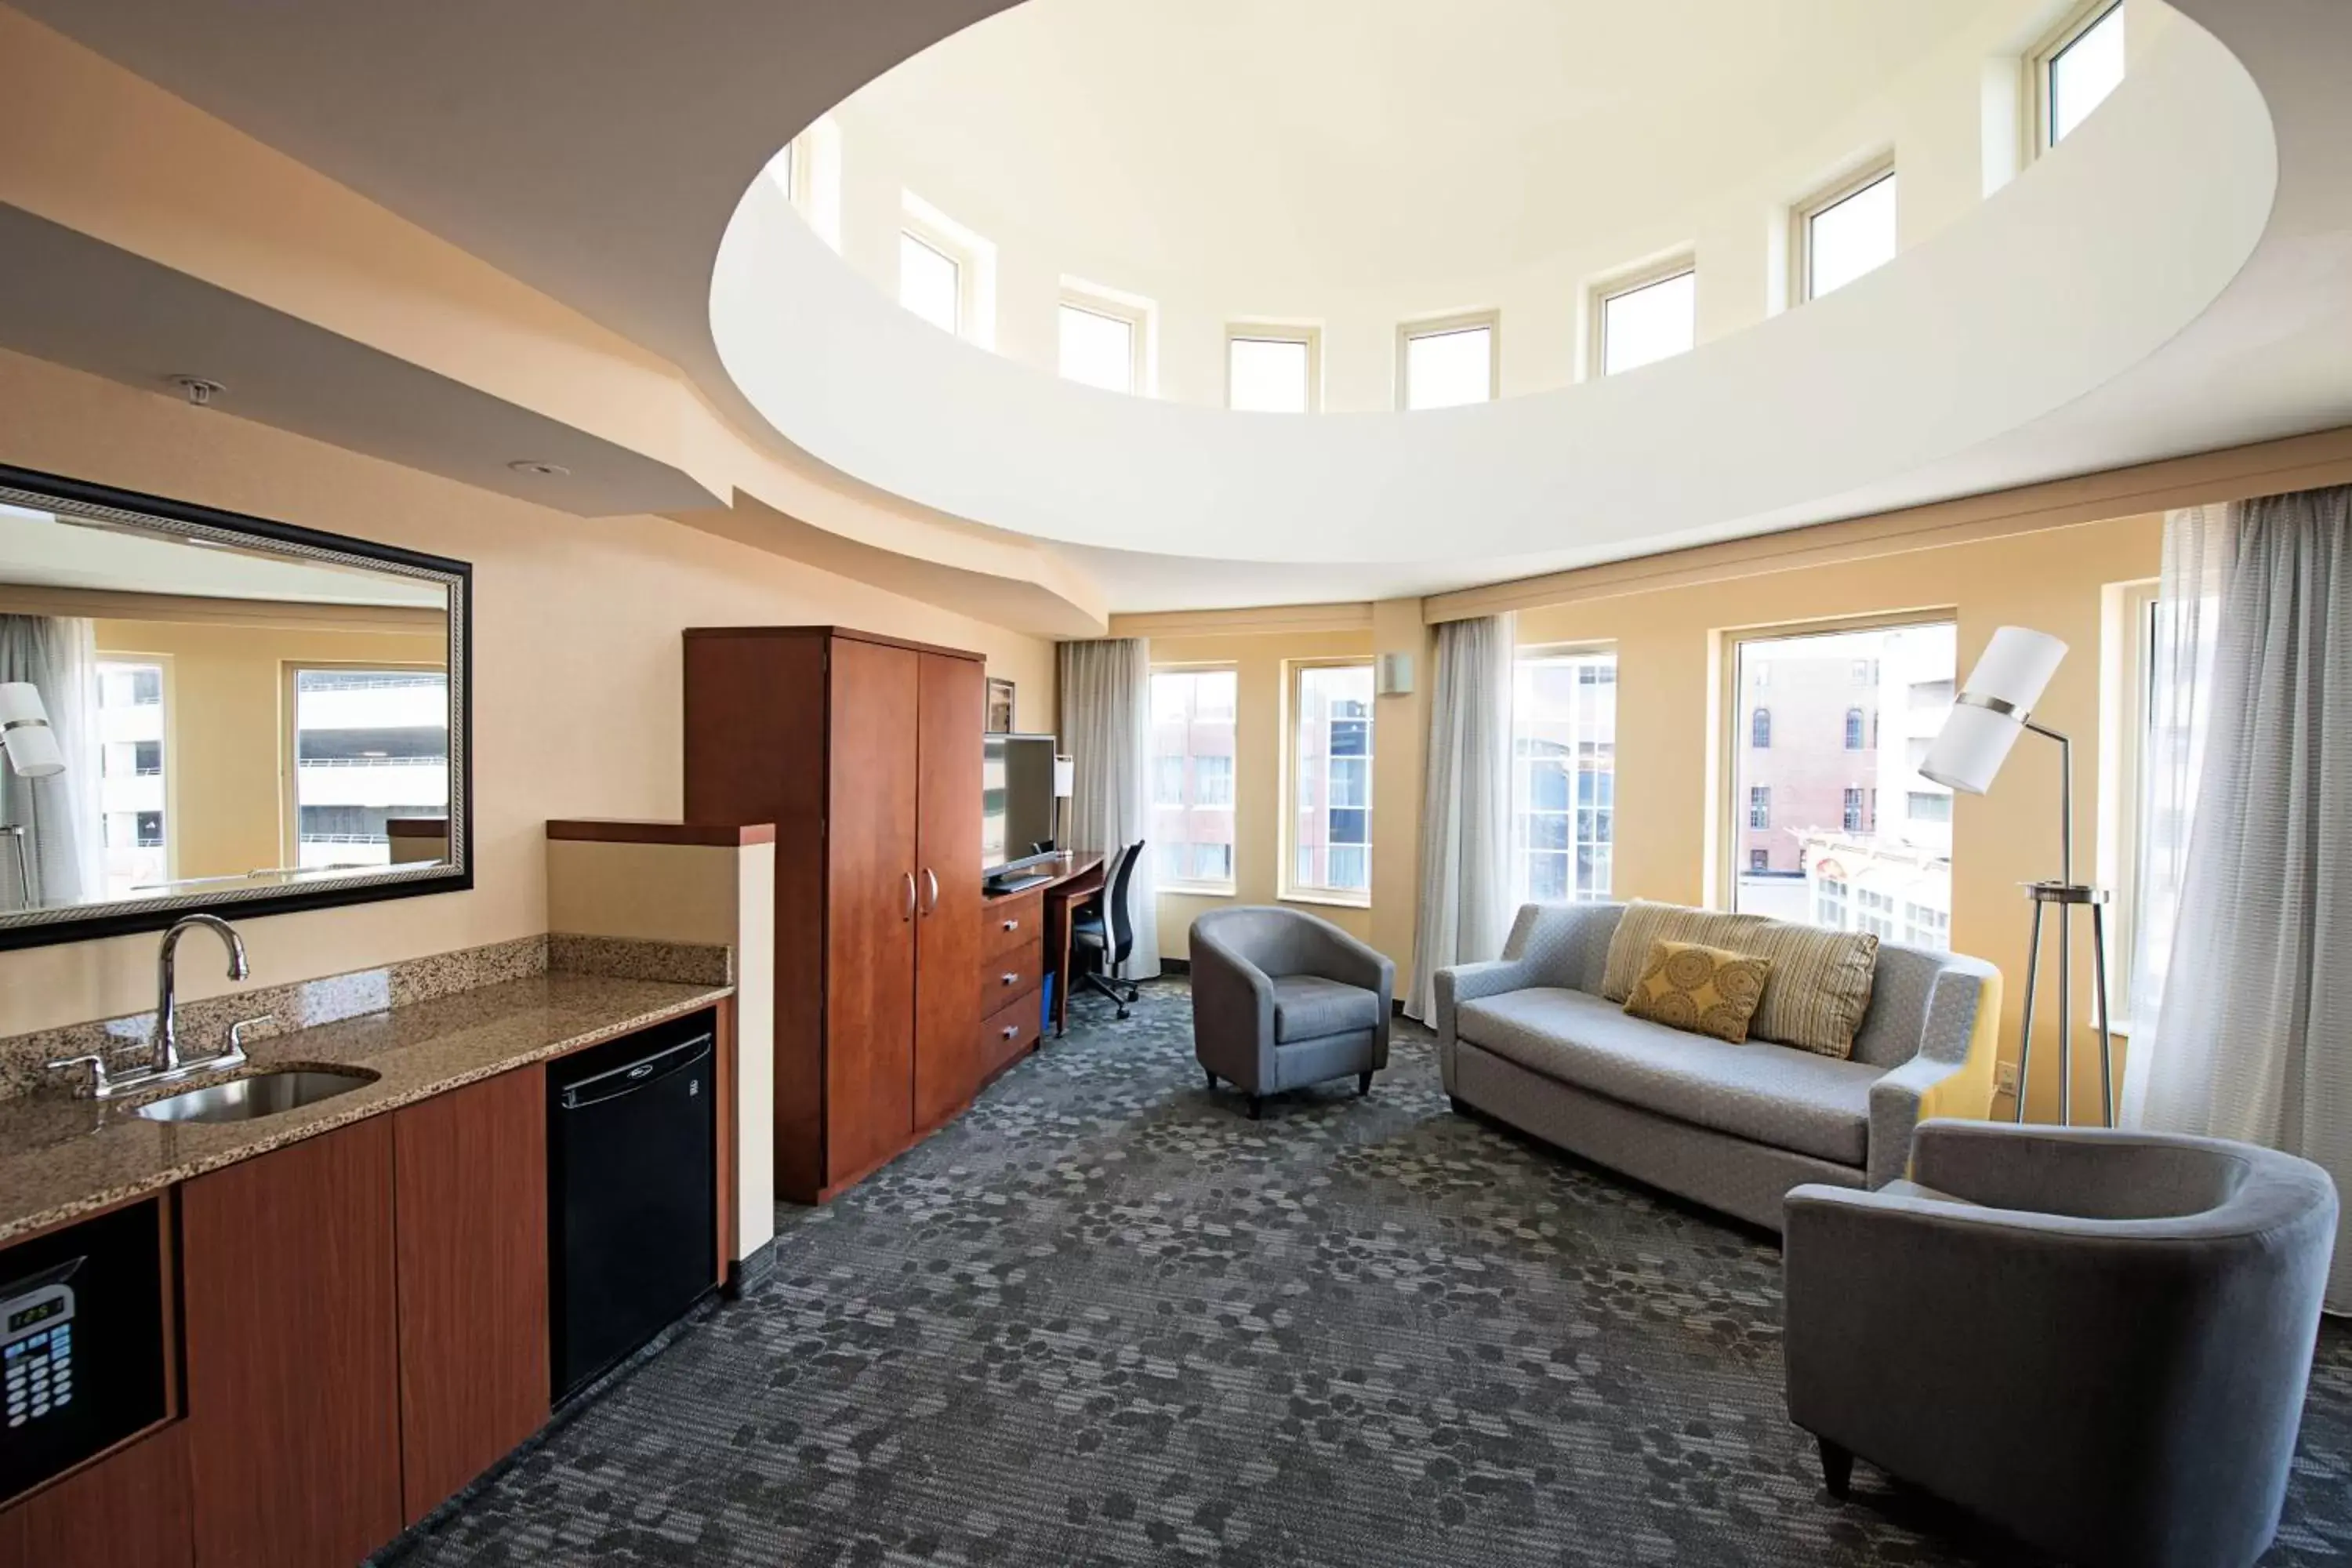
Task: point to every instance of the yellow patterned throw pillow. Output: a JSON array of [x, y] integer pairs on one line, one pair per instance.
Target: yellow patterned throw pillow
[[1702, 990]]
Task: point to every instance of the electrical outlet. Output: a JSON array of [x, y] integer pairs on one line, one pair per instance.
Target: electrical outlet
[[2004, 1077]]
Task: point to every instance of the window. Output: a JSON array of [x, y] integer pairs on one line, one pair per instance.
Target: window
[[1563, 773], [1272, 370], [1875, 912], [1810, 801], [1443, 364], [808, 172], [1653, 319], [1104, 338], [1846, 233], [1926, 927], [1759, 859], [1760, 729], [1331, 780], [2078, 69], [1192, 778], [369, 744], [1929, 805], [930, 282], [131, 783]]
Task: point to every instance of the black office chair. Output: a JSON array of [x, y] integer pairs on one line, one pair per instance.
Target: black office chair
[[1105, 950]]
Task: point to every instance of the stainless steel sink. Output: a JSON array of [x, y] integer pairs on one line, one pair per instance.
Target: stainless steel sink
[[263, 1094]]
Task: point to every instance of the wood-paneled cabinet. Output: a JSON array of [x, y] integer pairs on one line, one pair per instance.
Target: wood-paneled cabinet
[[129, 1510], [865, 752], [293, 1374], [469, 1174]]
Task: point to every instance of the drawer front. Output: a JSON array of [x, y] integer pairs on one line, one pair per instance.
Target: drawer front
[[1008, 1032], [1009, 925], [1011, 973]]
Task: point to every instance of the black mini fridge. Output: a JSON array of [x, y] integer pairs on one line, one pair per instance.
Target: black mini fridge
[[632, 1141]]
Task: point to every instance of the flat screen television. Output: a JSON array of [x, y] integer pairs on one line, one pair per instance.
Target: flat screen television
[[1016, 800]]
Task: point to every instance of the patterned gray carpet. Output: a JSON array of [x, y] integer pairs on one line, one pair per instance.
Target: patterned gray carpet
[[1105, 1320]]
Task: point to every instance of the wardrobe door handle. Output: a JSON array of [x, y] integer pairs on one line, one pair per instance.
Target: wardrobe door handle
[[910, 896], [932, 877]]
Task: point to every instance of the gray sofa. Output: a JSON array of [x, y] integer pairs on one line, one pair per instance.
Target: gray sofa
[[2098, 1340], [1281, 999], [1529, 1040]]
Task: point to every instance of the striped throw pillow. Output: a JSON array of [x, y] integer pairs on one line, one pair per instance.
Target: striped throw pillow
[[1820, 983]]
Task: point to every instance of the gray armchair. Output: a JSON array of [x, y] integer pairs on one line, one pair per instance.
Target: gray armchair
[[1281, 999], [2097, 1340]]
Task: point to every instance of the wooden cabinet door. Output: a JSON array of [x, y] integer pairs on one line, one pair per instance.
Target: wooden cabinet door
[[293, 1378], [470, 1217], [947, 851], [871, 901], [129, 1510]]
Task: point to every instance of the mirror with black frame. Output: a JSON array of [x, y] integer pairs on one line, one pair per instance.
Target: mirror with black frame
[[204, 710]]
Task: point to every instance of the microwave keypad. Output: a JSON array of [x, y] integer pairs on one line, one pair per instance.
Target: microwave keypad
[[38, 1355]]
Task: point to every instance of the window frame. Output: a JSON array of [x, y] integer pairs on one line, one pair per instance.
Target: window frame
[[290, 738], [1446, 326], [1729, 809], [1632, 280], [1836, 193], [1288, 888], [1187, 886], [2135, 674], [810, 177], [1309, 337], [1140, 316], [912, 234], [1521, 805], [975, 264], [2039, 99]]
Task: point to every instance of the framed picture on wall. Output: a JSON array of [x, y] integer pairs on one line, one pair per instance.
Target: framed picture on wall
[[1000, 707]]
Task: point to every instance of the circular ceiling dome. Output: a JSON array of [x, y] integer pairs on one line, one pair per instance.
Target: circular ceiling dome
[[1302, 152]]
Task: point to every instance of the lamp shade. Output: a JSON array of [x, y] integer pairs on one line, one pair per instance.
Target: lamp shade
[[1066, 777], [24, 732], [1991, 713]]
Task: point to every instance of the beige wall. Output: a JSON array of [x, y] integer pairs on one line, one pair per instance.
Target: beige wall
[[223, 752], [577, 661], [1670, 806], [1259, 661], [697, 893]]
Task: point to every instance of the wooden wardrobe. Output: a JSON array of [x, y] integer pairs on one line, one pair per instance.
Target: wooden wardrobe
[[865, 752]]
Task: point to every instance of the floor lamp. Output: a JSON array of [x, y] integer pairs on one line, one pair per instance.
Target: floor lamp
[[1993, 710], [31, 747]]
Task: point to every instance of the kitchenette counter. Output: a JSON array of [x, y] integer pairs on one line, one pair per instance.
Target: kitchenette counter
[[62, 1156]]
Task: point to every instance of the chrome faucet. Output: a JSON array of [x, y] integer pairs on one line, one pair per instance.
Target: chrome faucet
[[164, 1063], [166, 1056]]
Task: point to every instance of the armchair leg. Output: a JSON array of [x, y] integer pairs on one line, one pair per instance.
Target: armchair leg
[[1257, 1106], [1211, 1078], [1837, 1468], [1364, 1084]]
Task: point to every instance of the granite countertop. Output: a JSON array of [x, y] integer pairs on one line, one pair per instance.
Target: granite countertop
[[62, 1156]]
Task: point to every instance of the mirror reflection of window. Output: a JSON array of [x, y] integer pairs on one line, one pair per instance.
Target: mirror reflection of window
[[369, 746], [132, 785]]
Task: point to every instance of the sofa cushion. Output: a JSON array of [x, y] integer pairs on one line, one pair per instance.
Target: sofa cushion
[[1820, 982], [1703, 990], [1789, 1099], [1307, 1006]]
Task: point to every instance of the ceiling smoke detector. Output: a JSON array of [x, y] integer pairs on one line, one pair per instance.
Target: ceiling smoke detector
[[200, 391], [542, 470]]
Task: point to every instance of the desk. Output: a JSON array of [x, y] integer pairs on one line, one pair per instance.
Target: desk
[[1071, 878]]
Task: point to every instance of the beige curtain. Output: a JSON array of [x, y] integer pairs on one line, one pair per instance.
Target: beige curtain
[[1106, 692], [1466, 822]]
